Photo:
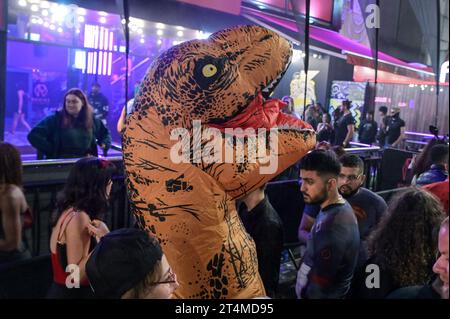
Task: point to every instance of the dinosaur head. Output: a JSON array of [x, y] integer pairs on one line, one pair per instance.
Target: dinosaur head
[[216, 79]]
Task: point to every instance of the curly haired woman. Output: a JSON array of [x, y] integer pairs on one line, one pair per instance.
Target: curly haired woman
[[403, 245]]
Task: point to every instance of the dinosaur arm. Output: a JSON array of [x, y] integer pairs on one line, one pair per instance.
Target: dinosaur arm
[[259, 163]]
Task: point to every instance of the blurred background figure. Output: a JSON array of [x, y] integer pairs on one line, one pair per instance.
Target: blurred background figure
[[395, 131], [99, 102], [12, 205], [289, 109], [19, 115], [384, 120], [368, 130], [313, 114], [345, 125], [325, 131], [127, 110]]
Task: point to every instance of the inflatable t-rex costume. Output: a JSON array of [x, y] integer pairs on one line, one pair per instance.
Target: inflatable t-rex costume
[[190, 206]]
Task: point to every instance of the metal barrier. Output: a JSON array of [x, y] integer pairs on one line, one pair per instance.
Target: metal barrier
[[44, 179]]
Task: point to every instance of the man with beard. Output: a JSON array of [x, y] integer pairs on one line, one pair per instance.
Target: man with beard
[[367, 206], [332, 248]]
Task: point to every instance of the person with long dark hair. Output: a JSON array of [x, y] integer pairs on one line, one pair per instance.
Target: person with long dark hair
[[12, 205], [71, 132], [403, 245], [78, 225]]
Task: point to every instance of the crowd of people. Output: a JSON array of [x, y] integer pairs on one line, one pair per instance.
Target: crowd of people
[[345, 228], [339, 127]]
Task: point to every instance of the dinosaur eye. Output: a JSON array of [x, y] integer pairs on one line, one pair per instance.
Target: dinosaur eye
[[209, 70]]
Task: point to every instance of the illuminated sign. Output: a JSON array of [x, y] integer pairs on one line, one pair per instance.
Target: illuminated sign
[[101, 40]]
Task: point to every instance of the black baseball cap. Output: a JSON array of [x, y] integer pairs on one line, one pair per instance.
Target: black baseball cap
[[121, 260]]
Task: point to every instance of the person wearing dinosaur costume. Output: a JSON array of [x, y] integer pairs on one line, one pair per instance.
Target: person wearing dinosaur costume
[[189, 205]]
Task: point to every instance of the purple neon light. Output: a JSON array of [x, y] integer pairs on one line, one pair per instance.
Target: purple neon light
[[99, 38], [100, 41], [89, 63], [422, 134], [96, 37], [111, 36], [109, 63], [106, 42], [105, 62], [100, 63], [94, 67]]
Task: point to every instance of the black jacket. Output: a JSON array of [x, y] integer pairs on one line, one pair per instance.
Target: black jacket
[[265, 227], [46, 137]]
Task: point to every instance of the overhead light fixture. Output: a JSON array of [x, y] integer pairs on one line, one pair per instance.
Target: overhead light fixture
[[160, 32], [180, 33], [160, 26]]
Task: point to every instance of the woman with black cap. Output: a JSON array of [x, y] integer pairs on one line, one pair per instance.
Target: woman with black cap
[[129, 264]]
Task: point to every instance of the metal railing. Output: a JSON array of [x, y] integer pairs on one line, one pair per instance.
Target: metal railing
[[44, 179]]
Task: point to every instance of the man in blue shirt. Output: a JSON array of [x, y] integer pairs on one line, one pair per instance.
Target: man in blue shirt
[[332, 248]]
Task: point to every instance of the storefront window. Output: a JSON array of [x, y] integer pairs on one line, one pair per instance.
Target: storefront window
[[53, 47]]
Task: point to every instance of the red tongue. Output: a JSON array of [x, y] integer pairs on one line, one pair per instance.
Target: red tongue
[[260, 114]]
